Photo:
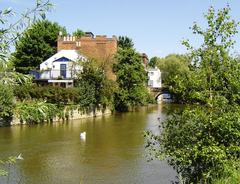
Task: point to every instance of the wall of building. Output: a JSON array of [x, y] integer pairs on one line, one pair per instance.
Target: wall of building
[[154, 78], [99, 48]]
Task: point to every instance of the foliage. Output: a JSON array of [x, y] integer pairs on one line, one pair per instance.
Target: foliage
[[171, 66], [131, 78], [214, 69], [6, 101], [78, 33], [232, 175], [201, 142], [153, 61], [125, 42], [95, 89], [9, 32], [55, 95], [36, 111], [37, 43]]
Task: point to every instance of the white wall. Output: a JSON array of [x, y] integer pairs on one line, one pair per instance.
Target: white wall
[[154, 78], [54, 70]]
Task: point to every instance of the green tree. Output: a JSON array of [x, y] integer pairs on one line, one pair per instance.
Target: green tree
[[215, 70], [153, 61], [201, 142], [95, 90], [125, 42], [171, 66], [8, 34], [37, 43], [131, 78], [78, 33], [176, 75]]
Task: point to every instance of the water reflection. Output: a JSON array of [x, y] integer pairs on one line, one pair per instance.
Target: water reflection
[[113, 151]]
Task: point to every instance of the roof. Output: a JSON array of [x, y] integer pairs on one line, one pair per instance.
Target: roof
[[71, 55]]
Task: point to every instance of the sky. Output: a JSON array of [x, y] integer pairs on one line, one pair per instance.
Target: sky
[[156, 27]]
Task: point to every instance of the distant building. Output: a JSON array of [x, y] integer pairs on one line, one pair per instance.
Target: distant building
[[154, 78], [60, 69]]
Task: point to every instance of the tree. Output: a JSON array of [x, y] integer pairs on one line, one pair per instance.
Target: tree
[[38, 43], [131, 78], [216, 71], [153, 61], [171, 66], [201, 142], [176, 75], [78, 33], [8, 34], [95, 90], [125, 42]]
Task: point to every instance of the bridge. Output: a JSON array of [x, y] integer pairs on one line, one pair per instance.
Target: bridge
[[158, 91]]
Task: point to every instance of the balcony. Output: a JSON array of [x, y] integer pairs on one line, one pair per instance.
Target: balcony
[[54, 74]]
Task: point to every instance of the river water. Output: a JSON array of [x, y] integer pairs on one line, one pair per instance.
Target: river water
[[113, 152]]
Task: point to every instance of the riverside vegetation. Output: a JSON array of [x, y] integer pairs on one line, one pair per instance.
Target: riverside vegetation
[[202, 141]]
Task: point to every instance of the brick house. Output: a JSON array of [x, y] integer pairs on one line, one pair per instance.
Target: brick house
[[99, 48]]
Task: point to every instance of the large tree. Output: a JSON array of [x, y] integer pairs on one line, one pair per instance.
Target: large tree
[[131, 78], [36, 44]]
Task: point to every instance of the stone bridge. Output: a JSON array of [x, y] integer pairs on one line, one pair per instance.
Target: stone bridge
[[158, 91]]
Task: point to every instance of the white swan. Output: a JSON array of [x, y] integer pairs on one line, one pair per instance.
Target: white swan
[[83, 135]]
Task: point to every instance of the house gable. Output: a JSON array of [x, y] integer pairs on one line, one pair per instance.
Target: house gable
[[62, 59]]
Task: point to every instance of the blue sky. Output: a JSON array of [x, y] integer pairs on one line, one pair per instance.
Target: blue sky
[[156, 26]]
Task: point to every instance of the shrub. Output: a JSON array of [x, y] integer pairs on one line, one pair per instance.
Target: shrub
[[56, 95], [36, 111], [6, 101]]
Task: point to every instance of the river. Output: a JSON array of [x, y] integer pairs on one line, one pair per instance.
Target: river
[[113, 152]]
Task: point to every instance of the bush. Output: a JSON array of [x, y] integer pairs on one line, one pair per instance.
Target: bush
[[36, 111], [56, 95], [6, 101], [231, 176]]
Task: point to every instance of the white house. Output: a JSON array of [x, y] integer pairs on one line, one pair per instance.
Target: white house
[[154, 78], [61, 68]]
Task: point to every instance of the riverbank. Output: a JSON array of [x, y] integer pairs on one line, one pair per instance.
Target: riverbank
[[74, 114]]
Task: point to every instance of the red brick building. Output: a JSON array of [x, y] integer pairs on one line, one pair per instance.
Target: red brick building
[[96, 47]]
